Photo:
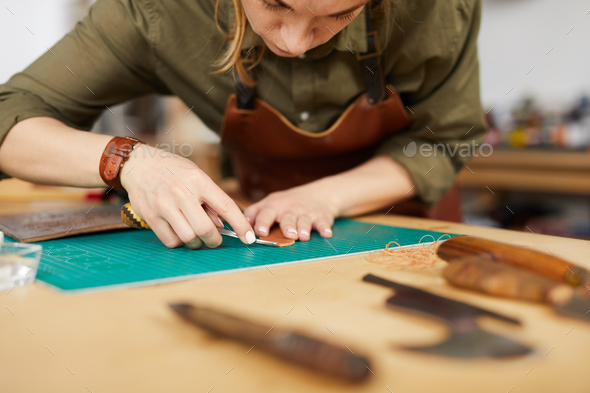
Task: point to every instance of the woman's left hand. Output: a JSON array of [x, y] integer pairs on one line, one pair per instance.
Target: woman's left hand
[[298, 211]]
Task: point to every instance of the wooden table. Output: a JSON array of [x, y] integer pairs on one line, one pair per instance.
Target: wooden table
[[129, 341]]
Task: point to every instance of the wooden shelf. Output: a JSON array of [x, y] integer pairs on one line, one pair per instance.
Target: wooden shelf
[[549, 172]]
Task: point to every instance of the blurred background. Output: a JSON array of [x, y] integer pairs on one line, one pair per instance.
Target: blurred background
[[534, 87]]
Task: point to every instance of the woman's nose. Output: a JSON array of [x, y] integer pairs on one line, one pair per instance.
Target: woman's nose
[[297, 37]]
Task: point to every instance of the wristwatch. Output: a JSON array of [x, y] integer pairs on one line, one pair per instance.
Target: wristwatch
[[117, 151]]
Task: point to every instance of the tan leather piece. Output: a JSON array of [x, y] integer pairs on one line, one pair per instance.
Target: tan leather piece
[[271, 154], [276, 235]]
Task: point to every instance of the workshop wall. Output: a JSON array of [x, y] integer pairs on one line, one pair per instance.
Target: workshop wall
[[29, 27], [508, 32], [518, 35]]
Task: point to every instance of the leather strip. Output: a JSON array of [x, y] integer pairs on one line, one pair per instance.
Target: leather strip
[[245, 94], [370, 63]]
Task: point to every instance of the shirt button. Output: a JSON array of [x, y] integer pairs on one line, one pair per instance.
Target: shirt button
[[304, 115], [301, 56]]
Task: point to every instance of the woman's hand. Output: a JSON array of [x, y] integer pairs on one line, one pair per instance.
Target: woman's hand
[[298, 211], [375, 184], [179, 201]]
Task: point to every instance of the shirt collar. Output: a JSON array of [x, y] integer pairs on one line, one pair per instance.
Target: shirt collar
[[350, 39]]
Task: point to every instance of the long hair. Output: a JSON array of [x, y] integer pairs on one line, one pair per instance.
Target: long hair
[[231, 56]]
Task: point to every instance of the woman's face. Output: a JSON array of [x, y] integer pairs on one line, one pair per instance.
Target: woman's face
[[292, 27]]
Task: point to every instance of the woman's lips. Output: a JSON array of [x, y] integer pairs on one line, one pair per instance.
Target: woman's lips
[[284, 51]]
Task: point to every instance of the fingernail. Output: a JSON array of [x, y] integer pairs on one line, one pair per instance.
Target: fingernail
[[263, 230], [327, 231], [250, 238], [292, 230], [248, 218], [221, 222], [305, 233]]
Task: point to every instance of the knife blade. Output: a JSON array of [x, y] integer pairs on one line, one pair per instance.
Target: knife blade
[[440, 306], [466, 338], [227, 232]]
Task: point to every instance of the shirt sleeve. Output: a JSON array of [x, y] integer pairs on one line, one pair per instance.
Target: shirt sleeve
[[108, 58], [445, 110]]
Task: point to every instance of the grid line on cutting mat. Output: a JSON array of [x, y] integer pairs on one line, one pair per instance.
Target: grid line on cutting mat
[[137, 257]]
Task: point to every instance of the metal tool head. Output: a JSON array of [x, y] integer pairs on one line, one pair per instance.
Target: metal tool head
[[467, 340], [414, 299], [475, 344], [577, 307], [230, 233]]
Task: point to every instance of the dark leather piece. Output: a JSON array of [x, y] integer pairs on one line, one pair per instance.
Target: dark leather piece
[[271, 154], [40, 226], [113, 157]]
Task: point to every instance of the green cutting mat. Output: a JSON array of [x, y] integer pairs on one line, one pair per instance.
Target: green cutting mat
[[136, 257]]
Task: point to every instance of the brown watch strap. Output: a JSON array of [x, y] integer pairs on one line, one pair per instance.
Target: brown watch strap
[[117, 151]]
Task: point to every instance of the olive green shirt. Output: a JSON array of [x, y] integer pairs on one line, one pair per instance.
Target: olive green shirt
[[128, 48]]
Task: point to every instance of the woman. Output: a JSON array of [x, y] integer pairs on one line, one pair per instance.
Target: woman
[[329, 93]]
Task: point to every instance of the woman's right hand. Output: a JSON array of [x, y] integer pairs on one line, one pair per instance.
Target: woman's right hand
[[179, 201]]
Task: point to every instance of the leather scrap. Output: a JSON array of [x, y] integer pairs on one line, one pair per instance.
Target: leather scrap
[[276, 235]]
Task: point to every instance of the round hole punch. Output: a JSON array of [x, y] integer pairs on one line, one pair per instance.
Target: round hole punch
[[421, 256]]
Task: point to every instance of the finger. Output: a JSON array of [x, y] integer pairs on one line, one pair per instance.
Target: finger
[[201, 224], [264, 221], [304, 227], [324, 226], [288, 224], [213, 216], [161, 228], [182, 228], [221, 203], [165, 233], [251, 212]]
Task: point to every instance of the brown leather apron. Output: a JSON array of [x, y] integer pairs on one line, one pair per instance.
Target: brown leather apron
[[270, 154]]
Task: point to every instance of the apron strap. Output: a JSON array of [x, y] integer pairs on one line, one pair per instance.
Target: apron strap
[[370, 62], [246, 95]]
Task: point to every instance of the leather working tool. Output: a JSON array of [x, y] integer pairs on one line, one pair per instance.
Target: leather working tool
[[290, 346], [131, 218], [473, 248], [467, 339], [496, 269]]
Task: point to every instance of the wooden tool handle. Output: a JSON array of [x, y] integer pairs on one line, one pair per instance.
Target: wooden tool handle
[[294, 347], [321, 356], [131, 218], [476, 249], [506, 281]]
